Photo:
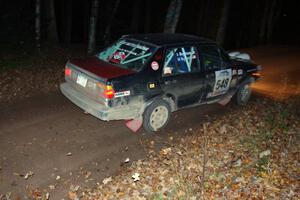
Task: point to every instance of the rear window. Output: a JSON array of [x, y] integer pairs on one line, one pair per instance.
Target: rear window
[[128, 54]]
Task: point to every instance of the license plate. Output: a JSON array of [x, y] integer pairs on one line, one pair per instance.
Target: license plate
[[81, 80]]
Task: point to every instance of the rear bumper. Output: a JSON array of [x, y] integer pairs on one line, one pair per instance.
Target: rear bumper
[[96, 109]]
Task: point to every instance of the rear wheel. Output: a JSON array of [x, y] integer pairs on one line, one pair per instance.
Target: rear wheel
[[156, 116], [243, 94]]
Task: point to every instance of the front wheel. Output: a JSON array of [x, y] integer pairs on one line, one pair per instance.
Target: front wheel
[[156, 116], [243, 94]]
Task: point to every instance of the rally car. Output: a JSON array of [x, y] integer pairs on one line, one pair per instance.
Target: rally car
[[143, 78]]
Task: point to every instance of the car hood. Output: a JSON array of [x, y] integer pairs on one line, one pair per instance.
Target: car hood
[[242, 62], [100, 68]]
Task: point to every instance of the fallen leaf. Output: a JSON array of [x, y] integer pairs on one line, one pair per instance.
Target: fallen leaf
[[47, 196], [136, 177], [28, 174], [69, 154], [238, 163], [107, 180], [37, 193], [88, 174], [72, 195], [223, 129], [264, 153], [52, 187], [165, 151], [74, 188]]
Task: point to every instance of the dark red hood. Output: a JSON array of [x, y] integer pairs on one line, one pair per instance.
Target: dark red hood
[[100, 68]]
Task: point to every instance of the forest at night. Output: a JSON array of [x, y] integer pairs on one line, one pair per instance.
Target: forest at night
[[249, 23]]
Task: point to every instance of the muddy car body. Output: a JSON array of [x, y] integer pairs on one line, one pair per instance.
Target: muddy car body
[[143, 78]]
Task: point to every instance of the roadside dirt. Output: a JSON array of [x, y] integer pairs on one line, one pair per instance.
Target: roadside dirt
[[281, 71], [248, 153], [25, 74], [62, 146]]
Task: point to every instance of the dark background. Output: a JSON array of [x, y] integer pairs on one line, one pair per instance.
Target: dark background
[[198, 17]]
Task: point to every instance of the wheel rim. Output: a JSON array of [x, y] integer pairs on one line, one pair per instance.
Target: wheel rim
[[159, 117], [245, 93]]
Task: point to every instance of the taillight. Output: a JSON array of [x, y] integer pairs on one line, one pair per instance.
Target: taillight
[[108, 91], [68, 71], [109, 94]]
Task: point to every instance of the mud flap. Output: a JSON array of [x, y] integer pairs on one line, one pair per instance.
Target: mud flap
[[226, 99], [134, 124]]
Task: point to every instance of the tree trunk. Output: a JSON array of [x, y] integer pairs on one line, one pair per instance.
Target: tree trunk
[[172, 16], [263, 24], [223, 23], [271, 20], [93, 25], [205, 21], [200, 16], [68, 4], [107, 31], [38, 24], [147, 23], [86, 17], [134, 24], [253, 38], [51, 28]]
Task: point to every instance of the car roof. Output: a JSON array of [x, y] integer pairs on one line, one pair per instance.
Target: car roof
[[166, 39]]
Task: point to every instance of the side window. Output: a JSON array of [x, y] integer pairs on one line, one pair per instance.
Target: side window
[[224, 55], [211, 57], [180, 60], [225, 59]]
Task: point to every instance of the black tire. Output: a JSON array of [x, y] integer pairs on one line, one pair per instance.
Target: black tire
[[243, 94], [152, 112]]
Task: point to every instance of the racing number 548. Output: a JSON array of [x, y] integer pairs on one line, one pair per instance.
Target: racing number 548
[[222, 83]]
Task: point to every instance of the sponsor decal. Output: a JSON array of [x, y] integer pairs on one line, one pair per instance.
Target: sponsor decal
[[154, 65], [122, 94], [234, 72], [240, 72], [119, 55], [137, 46], [168, 70], [223, 80], [151, 85]]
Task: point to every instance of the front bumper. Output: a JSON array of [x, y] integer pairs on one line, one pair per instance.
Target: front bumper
[[97, 109]]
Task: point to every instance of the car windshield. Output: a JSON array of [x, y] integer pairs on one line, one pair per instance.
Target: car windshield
[[128, 54]]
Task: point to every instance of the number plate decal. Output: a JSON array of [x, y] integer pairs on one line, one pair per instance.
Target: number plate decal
[[81, 80], [222, 82], [122, 94]]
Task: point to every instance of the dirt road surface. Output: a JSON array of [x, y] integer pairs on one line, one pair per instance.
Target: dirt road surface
[[281, 71], [52, 138], [62, 146]]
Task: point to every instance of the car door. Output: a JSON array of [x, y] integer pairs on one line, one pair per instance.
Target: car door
[[181, 75], [218, 72]]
